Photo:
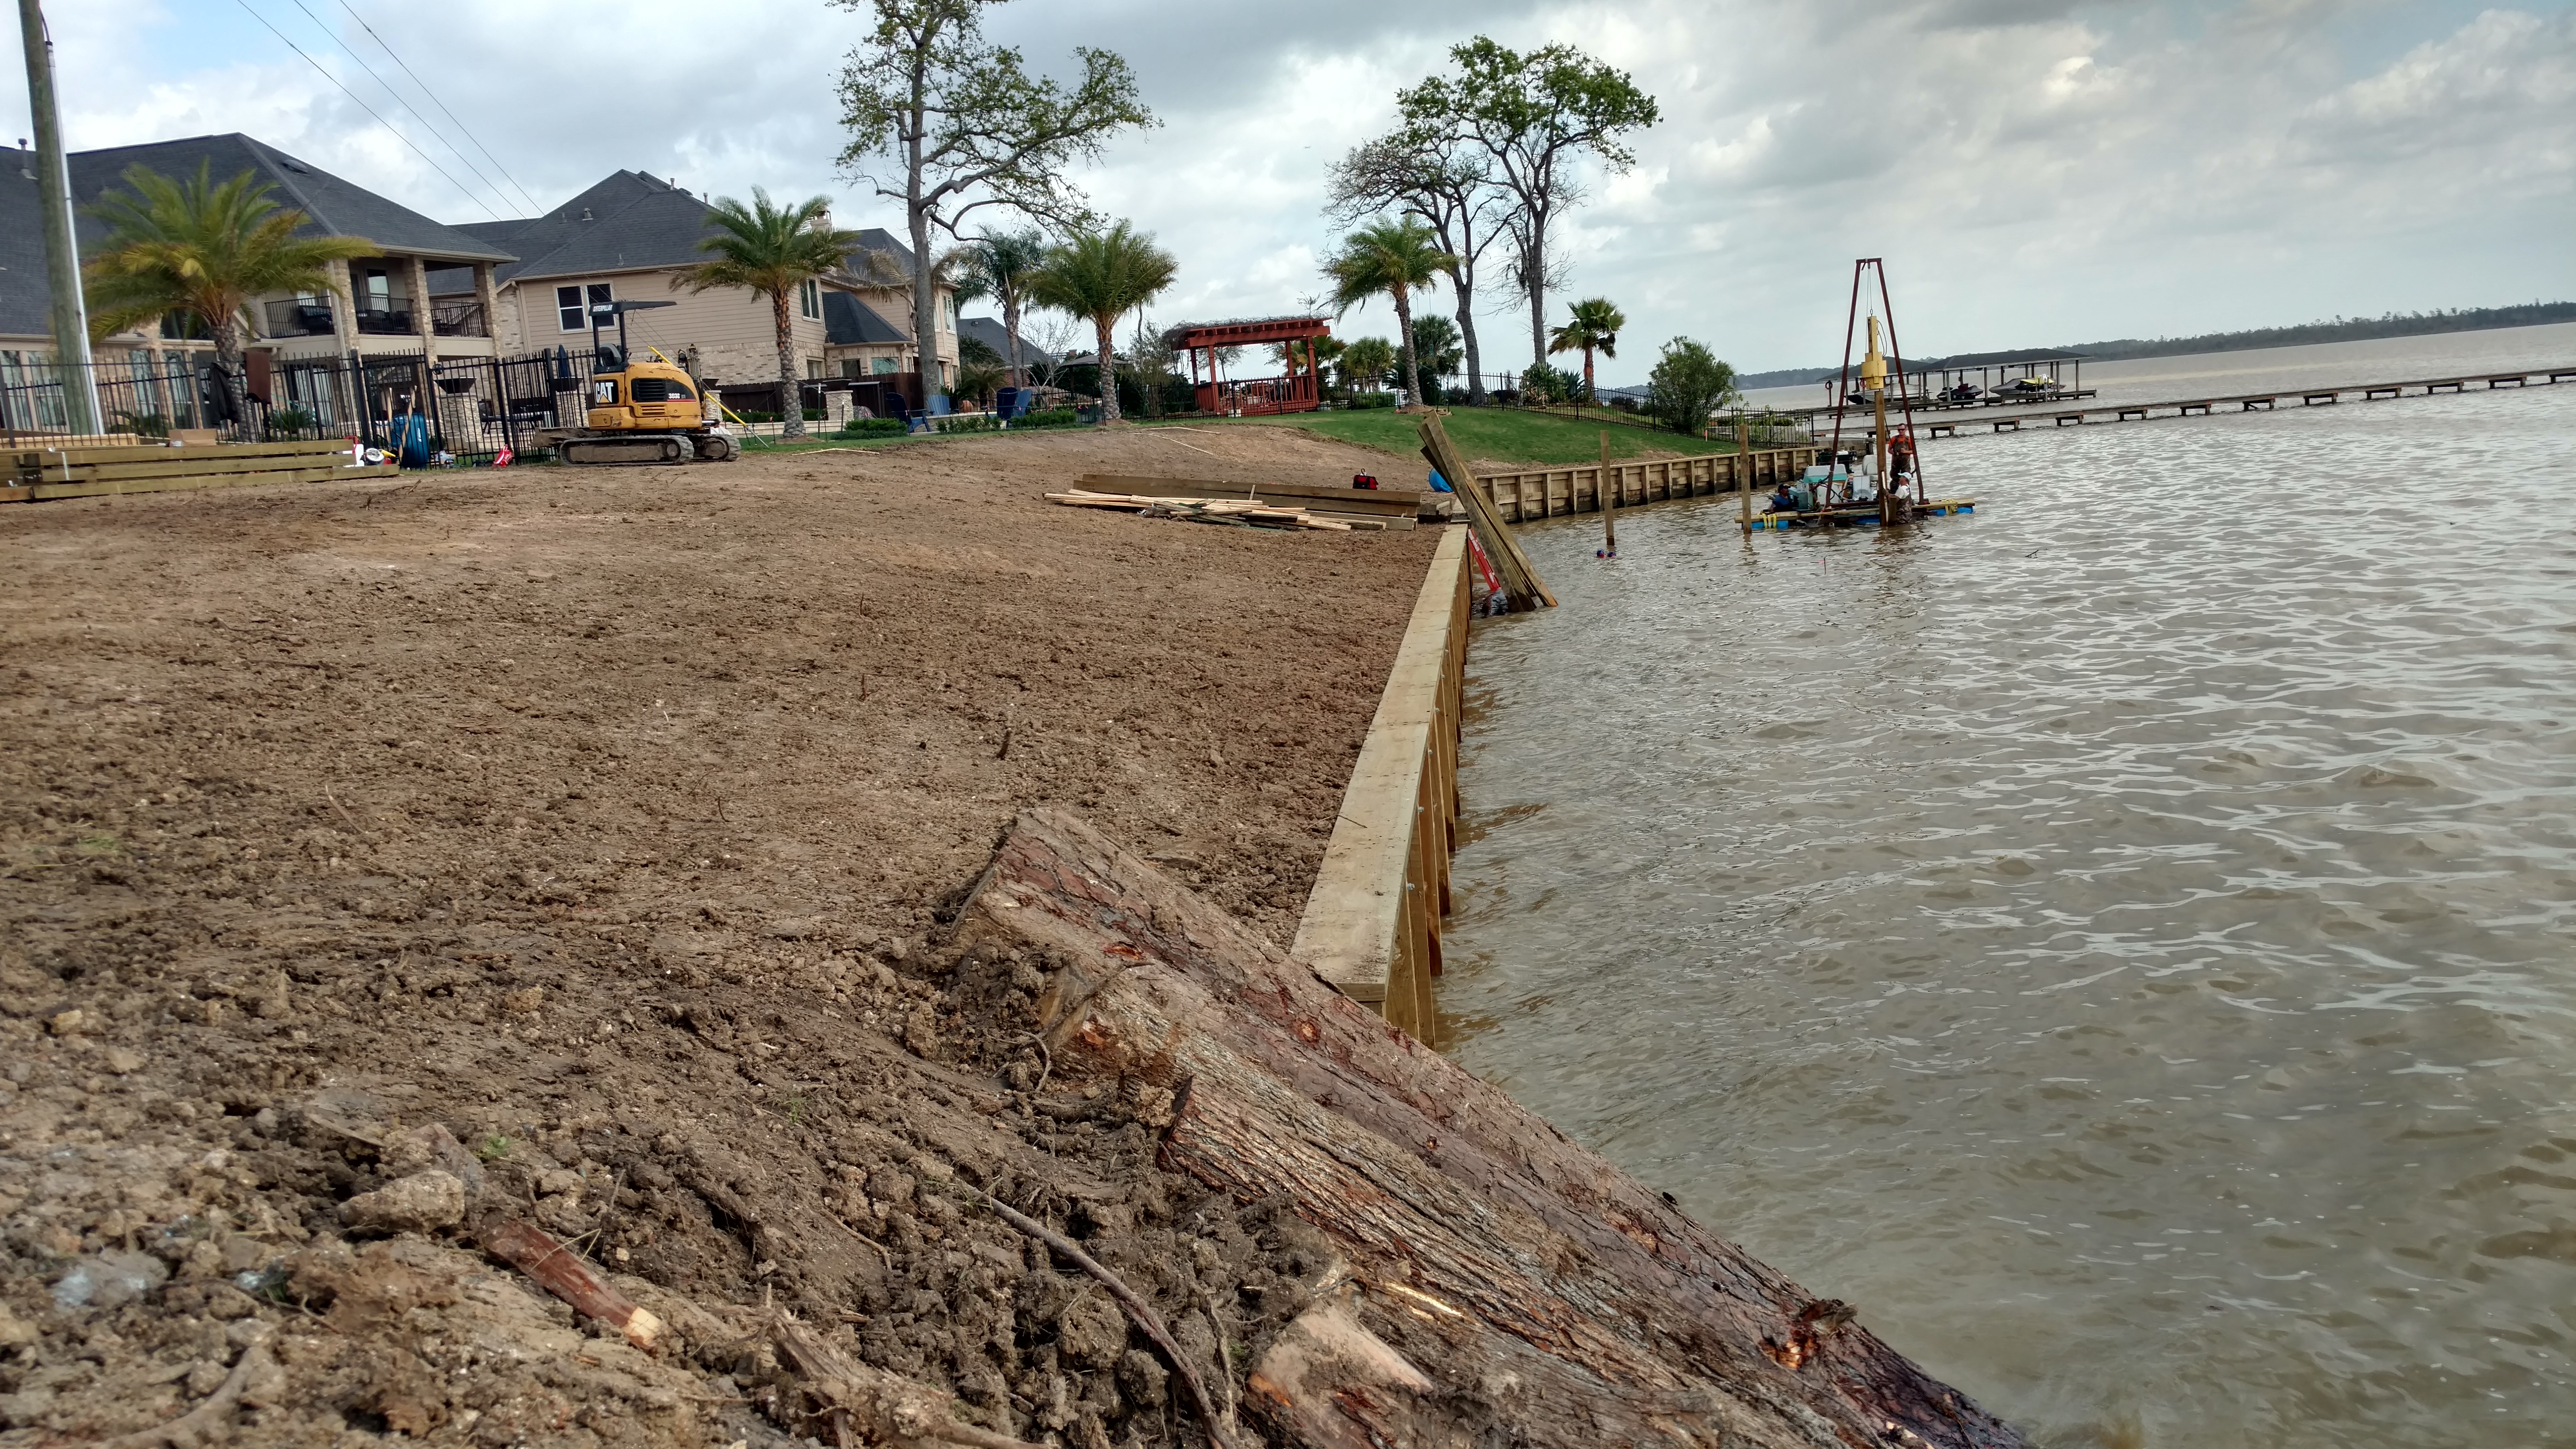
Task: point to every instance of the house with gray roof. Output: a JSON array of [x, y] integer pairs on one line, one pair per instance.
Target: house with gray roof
[[376, 306], [633, 237]]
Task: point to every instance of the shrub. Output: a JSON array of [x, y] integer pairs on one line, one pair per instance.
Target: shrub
[[1372, 399], [1543, 384], [1050, 418], [1688, 384], [872, 428]]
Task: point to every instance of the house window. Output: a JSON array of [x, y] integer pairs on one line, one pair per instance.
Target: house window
[[852, 367], [813, 367], [809, 298], [572, 308], [948, 306], [882, 367]]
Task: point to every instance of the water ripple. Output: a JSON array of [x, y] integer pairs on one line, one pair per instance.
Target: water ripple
[[2125, 941]]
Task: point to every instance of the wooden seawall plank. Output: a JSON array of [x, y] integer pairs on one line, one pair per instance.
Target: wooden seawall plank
[[1554, 492], [1372, 923]]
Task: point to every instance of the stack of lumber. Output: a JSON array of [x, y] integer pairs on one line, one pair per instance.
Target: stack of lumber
[[81, 472], [1242, 512], [1519, 576], [1397, 508]]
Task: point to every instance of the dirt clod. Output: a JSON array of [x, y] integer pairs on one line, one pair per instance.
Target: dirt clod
[[423, 1202]]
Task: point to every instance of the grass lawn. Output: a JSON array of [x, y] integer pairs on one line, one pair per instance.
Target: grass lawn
[[1505, 435]]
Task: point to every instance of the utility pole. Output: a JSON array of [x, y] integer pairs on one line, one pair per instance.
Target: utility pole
[[62, 248]]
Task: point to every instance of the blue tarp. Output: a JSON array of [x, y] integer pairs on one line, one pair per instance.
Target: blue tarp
[[1440, 484]]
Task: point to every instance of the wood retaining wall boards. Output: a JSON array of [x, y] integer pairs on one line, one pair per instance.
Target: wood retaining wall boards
[[1372, 922], [1549, 492], [35, 474]]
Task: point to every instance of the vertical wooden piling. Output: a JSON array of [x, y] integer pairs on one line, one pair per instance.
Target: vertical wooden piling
[[1609, 501], [1744, 470]]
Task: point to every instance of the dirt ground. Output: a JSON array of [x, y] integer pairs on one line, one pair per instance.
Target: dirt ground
[[605, 820]]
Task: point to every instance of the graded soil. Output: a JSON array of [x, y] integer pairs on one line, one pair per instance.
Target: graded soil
[[605, 821]]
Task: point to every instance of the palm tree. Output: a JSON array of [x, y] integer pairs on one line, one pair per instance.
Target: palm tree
[[1004, 262], [1365, 360], [773, 250], [206, 249], [1397, 258], [1099, 275], [1595, 326]]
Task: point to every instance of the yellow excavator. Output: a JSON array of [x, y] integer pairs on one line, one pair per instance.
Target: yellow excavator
[[643, 411]]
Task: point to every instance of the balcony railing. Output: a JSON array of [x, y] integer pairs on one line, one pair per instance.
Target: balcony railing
[[297, 318], [458, 319], [387, 321]]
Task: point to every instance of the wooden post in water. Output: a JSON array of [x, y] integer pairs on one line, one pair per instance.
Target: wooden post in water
[[1744, 470], [1609, 502]]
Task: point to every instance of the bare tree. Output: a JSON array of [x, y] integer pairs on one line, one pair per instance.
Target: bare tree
[[967, 127], [1439, 177], [1535, 114]]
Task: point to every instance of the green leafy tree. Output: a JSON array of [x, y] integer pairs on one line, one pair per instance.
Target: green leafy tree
[[1003, 263], [1593, 327], [964, 125], [1099, 276], [208, 249], [1688, 384], [1534, 115], [1436, 346], [1434, 173], [1394, 258], [1365, 362], [772, 250]]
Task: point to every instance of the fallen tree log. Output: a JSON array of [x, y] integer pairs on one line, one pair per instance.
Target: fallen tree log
[[1498, 1277]]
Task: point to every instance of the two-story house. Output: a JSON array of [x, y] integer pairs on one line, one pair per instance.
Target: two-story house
[[375, 307], [633, 237]]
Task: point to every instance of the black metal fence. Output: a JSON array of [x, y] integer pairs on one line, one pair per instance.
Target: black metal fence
[[471, 408]]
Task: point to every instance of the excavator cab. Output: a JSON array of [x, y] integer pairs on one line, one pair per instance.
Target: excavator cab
[[643, 396], [648, 411]]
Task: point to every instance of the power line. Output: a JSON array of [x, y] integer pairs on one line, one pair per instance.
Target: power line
[[370, 110], [426, 122], [461, 127]]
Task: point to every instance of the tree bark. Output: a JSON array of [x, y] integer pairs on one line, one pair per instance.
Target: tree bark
[[791, 397], [1588, 394], [1011, 329], [227, 331], [1108, 372], [1495, 1281], [1534, 281], [1467, 334], [925, 299], [1404, 330]]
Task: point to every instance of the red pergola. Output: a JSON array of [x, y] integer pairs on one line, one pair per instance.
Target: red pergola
[[1297, 391]]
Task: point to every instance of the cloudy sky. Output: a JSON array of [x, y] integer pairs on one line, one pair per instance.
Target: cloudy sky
[[2035, 171]]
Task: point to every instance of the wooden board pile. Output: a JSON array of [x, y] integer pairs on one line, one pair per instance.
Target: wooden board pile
[[1519, 576], [40, 473], [1239, 512]]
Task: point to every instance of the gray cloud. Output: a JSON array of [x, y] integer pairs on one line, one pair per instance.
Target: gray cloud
[[2034, 172]]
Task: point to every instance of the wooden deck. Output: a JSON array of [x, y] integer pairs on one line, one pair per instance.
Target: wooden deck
[[2250, 401]]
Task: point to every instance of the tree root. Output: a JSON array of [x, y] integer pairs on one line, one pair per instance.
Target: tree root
[[207, 1419], [881, 1406], [1137, 1308]]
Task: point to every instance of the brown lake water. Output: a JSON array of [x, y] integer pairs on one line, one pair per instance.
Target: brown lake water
[[2123, 941]]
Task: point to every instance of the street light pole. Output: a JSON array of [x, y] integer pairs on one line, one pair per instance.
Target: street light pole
[[62, 248]]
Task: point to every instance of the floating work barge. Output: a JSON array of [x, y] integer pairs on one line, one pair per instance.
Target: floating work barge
[[1865, 516]]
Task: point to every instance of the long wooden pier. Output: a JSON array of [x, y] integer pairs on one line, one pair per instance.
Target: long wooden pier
[[2246, 402], [1550, 492]]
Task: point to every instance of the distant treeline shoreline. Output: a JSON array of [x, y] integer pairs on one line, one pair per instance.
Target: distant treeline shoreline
[[2341, 329]]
